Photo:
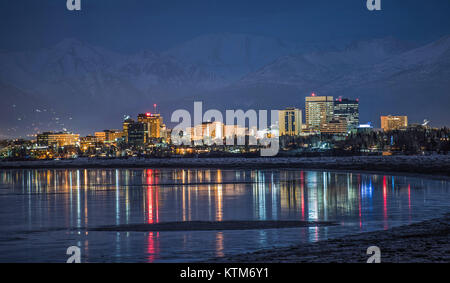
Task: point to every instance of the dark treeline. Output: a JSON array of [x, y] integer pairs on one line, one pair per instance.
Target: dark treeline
[[412, 141], [409, 141]]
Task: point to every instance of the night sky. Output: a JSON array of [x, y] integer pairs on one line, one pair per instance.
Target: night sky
[[134, 25], [128, 27]]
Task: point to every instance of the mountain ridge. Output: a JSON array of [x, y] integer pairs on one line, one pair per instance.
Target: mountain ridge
[[76, 75]]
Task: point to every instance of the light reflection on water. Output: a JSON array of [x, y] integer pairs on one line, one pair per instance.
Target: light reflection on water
[[48, 200]]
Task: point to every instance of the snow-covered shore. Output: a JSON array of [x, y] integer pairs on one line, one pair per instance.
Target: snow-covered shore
[[424, 242], [434, 164]]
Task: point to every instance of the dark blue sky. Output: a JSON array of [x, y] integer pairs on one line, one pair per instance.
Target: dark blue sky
[[132, 25]]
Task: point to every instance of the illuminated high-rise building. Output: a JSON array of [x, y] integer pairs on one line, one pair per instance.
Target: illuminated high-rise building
[[126, 125], [290, 122], [319, 111], [349, 110], [154, 123], [137, 133], [391, 123]]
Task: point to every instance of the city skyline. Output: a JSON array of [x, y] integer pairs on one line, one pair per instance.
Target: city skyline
[[312, 121], [325, 115]]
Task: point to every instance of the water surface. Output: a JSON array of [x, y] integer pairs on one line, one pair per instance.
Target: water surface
[[43, 212]]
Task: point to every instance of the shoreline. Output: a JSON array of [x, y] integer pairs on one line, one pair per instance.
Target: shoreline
[[423, 242], [212, 226], [434, 165]]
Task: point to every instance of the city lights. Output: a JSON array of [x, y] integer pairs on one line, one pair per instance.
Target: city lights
[[334, 121]]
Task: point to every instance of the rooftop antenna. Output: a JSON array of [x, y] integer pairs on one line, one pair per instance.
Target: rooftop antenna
[[154, 108]]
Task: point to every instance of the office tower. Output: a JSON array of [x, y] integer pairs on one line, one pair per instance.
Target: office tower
[[126, 125], [319, 110], [290, 122], [391, 123], [154, 123], [349, 110], [137, 132]]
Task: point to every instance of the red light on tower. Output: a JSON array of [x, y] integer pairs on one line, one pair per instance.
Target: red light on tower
[[313, 94]]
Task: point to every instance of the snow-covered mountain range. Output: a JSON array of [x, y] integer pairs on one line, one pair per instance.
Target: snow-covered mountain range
[[229, 56], [86, 82]]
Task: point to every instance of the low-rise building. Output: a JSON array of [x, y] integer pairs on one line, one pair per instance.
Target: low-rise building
[[391, 123], [335, 126], [59, 139]]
